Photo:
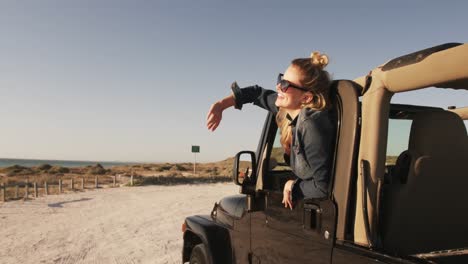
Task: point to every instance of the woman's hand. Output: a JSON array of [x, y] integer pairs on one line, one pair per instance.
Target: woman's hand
[[287, 194], [214, 116]]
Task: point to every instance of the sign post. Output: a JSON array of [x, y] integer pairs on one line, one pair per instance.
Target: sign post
[[195, 150]]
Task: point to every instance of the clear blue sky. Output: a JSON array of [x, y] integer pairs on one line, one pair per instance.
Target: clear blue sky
[[133, 80]]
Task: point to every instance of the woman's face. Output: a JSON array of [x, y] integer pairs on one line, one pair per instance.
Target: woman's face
[[293, 98]]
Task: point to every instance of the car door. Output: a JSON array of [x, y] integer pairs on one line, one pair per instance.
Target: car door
[[279, 235]]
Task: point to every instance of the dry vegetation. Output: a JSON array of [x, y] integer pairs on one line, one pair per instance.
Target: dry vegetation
[[163, 173]]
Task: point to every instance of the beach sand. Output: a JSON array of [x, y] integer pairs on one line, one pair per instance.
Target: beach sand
[[115, 225]]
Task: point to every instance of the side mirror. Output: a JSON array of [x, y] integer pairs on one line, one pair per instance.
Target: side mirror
[[245, 167]]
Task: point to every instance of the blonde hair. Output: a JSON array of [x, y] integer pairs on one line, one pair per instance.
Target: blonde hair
[[285, 130], [315, 79]]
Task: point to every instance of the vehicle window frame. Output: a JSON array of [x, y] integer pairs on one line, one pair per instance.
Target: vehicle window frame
[[268, 182]]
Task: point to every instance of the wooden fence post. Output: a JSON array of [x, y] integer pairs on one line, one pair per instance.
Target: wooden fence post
[[4, 192], [26, 190], [35, 189], [82, 183], [16, 191], [96, 184], [60, 185], [72, 184], [114, 180], [46, 188]]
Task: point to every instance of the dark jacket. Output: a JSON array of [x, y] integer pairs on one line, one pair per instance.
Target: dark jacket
[[313, 134]]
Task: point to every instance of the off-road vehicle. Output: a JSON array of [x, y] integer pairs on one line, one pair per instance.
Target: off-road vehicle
[[383, 206]]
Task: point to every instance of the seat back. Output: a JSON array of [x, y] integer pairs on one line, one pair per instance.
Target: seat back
[[428, 211]]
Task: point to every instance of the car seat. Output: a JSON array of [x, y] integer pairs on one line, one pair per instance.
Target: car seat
[[426, 207]]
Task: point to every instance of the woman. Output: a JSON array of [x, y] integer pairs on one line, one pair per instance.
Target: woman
[[302, 107]]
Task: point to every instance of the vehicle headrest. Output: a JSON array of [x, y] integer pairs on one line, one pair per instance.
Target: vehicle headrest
[[437, 132]]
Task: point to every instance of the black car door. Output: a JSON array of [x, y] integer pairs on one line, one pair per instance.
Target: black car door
[[300, 235]]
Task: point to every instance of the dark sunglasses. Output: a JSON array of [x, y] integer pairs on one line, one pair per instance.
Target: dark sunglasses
[[285, 84]]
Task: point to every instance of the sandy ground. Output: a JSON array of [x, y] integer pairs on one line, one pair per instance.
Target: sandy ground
[[120, 225]]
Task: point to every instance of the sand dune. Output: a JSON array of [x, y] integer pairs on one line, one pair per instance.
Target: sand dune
[[121, 225]]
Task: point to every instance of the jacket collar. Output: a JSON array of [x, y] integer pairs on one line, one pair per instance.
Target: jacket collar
[[303, 114]]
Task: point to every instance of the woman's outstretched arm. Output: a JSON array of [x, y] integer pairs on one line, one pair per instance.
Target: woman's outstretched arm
[[240, 96], [215, 114]]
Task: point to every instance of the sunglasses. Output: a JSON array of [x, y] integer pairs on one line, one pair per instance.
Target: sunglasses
[[285, 84]]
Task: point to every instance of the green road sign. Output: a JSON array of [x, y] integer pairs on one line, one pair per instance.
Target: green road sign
[[195, 149]]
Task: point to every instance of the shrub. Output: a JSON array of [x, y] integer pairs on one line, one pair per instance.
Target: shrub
[[59, 169], [157, 168], [15, 167], [214, 171], [181, 167], [178, 167], [165, 167], [17, 170], [97, 169], [226, 172], [44, 167]]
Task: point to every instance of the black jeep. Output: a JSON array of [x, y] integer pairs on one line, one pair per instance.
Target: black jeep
[[388, 202]]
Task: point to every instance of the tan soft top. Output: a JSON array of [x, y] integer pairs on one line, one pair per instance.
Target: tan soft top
[[443, 66]]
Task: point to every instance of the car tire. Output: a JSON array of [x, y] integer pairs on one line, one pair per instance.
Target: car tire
[[199, 255]]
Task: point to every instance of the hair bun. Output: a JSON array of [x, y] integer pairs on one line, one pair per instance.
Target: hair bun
[[320, 60]]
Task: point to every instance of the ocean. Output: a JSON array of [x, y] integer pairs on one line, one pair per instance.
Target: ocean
[[63, 163]]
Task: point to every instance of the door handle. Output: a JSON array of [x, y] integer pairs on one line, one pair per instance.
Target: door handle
[[312, 217]]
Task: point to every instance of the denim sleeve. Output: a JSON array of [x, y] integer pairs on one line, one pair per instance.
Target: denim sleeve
[[316, 135], [296, 191], [257, 95]]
